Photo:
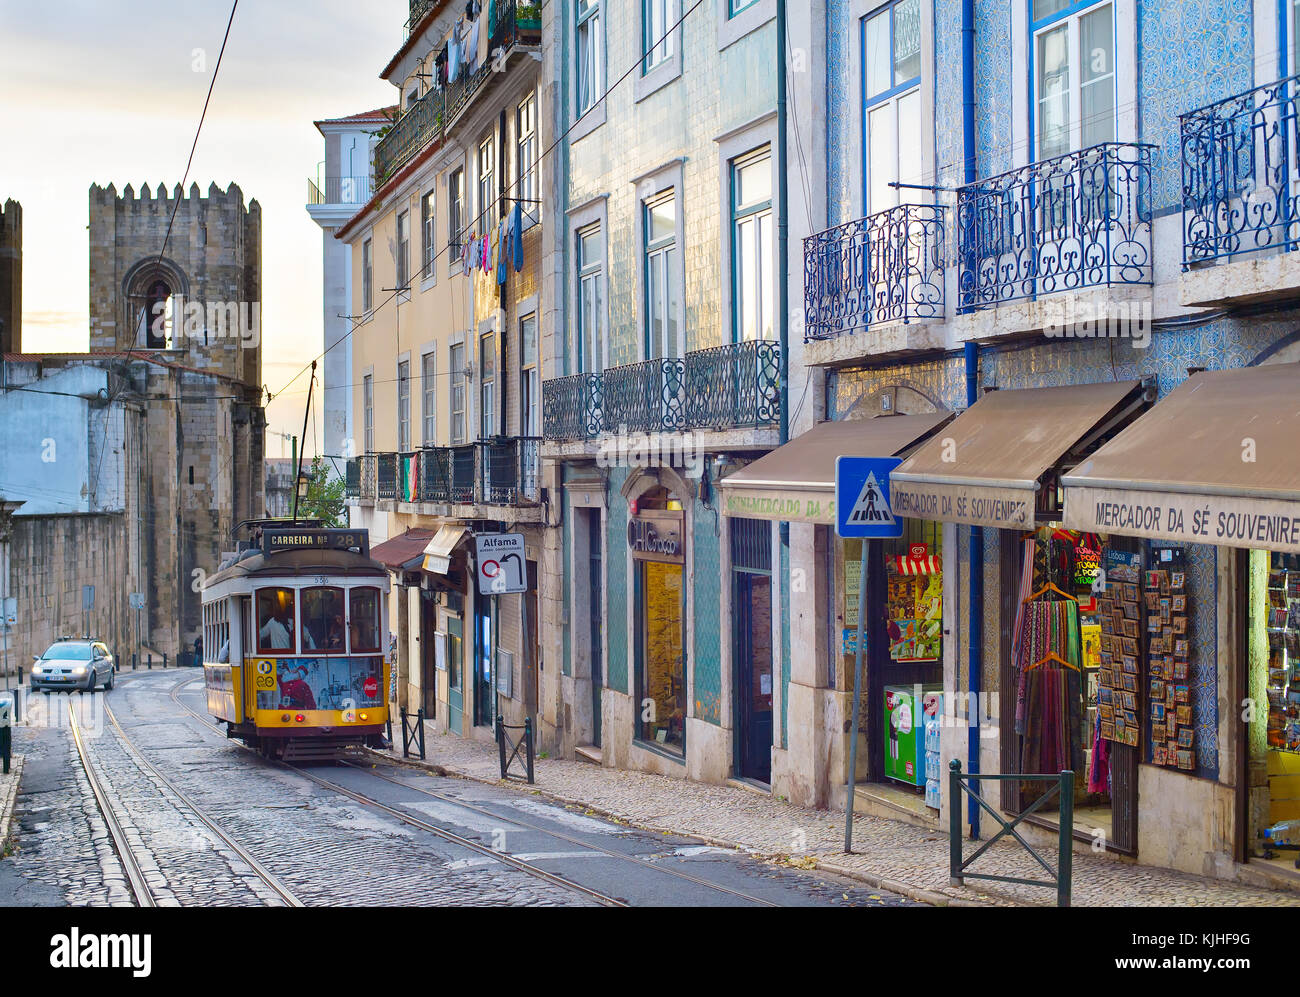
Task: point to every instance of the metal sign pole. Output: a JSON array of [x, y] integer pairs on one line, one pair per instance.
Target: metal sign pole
[[851, 795]]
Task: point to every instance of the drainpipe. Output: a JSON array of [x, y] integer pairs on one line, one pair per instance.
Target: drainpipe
[[975, 661], [782, 237]]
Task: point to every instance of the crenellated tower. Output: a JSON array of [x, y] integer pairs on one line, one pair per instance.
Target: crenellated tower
[[11, 277]]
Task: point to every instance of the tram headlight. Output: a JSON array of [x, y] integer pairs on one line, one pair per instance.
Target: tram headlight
[[300, 718], [363, 716]]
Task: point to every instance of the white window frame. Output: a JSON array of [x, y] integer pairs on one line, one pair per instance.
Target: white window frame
[[455, 218], [485, 188], [368, 409], [404, 442], [588, 23], [530, 377], [429, 397], [583, 217], [732, 146], [488, 399], [735, 25], [459, 386], [527, 187], [1024, 69], [429, 237], [367, 276], [753, 214], [1070, 21], [667, 179], [660, 45], [402, 254]]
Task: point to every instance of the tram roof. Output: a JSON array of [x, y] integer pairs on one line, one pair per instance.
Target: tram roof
[[289, 563]]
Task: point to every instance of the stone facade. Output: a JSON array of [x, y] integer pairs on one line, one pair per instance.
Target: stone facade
[[11, 277]]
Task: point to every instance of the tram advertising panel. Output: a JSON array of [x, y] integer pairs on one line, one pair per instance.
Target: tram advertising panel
[[333, 683]]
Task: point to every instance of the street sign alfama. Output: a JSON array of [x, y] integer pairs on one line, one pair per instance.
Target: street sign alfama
[[862, 506], [501, 564]]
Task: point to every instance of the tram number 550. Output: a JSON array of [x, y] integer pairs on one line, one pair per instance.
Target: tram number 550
[[265, 675]]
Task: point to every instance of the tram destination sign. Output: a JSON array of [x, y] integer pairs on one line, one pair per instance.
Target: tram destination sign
[[275, 541]]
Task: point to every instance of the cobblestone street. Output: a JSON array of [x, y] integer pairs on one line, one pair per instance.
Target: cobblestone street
[[327, 848], [887, 854]]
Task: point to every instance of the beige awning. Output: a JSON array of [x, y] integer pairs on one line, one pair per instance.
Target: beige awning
[[987, 466], [796, 481], [1216, 462], [437, 556]]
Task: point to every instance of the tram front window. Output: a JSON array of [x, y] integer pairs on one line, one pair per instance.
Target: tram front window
[[274, 620], [364, 617], [322, 621]]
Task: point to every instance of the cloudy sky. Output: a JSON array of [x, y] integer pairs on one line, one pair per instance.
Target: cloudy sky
[[93, 91]]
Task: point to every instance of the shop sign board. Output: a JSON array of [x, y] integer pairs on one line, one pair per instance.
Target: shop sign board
[[500, 563], [787, 506], [1217, 520], [959, 502], [656, 535], [862, 498]]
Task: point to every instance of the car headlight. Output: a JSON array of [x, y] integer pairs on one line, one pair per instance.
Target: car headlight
[[37, 669], [79, 670]]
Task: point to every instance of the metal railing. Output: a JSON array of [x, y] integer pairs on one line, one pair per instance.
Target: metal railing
[[1060, 786], [509, 470], [504, 23], [523, 745], [734, 386], [352, 479], [1240, 163], [418, 9], [410, 133], [386, 476], [644, 397], [412, 733], [1074, 221], [571, 407], [369, 474], [886, 267], [339, 190], [408, 476]]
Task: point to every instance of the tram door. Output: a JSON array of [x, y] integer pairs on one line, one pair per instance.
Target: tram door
[[484, 642]]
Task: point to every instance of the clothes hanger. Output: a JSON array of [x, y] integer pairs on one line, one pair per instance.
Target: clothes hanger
[[1049, 587], [1052, 656]]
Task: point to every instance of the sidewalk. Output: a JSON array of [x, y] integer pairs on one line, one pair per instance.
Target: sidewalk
[[888, 855], [9, 798]]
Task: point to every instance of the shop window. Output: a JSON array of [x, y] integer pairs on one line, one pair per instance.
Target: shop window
[[275, 620], [655, 536], [322, 621], [363, 619]]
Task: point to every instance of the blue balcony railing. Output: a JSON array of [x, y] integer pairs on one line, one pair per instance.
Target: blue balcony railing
[[887, 267], [571, 407], [1062, 224], [1240, 158]]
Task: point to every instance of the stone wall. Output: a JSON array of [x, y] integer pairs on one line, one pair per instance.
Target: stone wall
[[11, 277]]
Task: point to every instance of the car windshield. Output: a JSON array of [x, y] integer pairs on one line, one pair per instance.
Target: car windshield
[[68, 652]]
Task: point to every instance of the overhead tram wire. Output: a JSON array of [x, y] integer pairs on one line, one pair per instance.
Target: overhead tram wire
[[513, 188]]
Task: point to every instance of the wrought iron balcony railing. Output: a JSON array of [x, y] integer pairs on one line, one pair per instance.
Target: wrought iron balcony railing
[[386, 475], [1074, 221], [418, 9], [410, 133], [887, 267], [369, 471], [509, 470], [644, 397], [734, 386], [571, 407], [339, 190], [510, 24], [1240, 165], [352, 479]]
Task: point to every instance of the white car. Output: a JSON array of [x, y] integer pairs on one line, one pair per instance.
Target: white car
[[74, 664]]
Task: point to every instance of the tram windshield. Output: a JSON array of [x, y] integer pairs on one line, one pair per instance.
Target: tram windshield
[[364, 617], [322, 621]]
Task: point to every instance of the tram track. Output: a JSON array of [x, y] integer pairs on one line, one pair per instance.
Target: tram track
[[121, 841], [476, 846]]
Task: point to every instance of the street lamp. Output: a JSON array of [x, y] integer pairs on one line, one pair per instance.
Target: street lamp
[[300, 495]]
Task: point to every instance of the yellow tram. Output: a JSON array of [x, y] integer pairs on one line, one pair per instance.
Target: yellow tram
[[294, 635]]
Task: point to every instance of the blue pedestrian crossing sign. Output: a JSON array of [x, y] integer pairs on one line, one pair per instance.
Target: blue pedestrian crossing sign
[[862, 508]]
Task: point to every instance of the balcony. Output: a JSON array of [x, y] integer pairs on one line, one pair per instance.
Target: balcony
[[1082, 220], [433, 114], [503, 471], [1241, 196], [724, 389], [887, 267], [339, 190], [410, 133]]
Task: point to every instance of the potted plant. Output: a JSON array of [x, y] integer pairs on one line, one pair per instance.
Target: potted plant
[[528, 16]]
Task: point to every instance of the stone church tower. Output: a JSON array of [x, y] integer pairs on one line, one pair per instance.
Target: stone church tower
[[189, 324]]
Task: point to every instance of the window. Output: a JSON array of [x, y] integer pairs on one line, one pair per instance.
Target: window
[[429, 394], [322, 628], [526, 189], [368, 405], [751, 246], [403, 261], [404, 406], [891, 72], [367, 276], [591, 62], [486, 191], [275, 620], [1074, 77], [427, 235], [455, 214], [660, 220], [529, 383], [734, 7], [657, 20], [591, 262], [456, 367], [363, 620], [487, 385]]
